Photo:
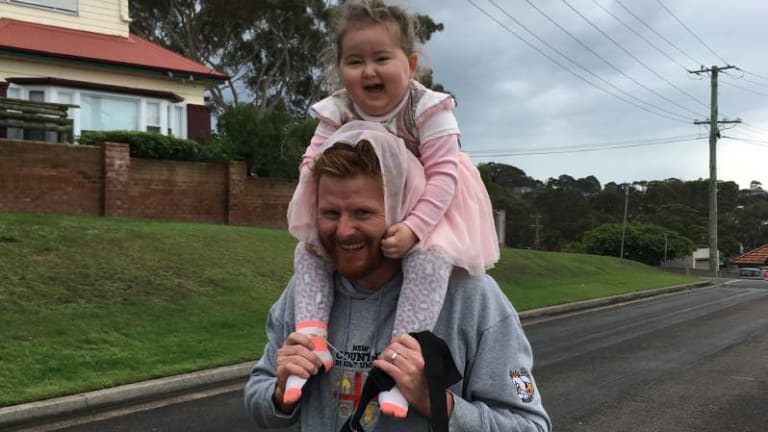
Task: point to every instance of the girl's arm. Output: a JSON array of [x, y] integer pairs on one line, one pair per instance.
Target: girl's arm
[[440, 158], [322, 132]]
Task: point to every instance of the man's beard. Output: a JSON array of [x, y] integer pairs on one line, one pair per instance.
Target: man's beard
[[355, 270]]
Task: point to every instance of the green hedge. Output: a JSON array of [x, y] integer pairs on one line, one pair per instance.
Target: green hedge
[[150, 145]]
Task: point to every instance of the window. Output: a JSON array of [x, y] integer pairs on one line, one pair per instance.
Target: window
[[177, 125], [153, 117], [36, 134], [66, 6], [12, 132], [101, 112]]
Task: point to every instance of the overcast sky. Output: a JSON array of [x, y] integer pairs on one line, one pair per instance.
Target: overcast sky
[[520, 108]]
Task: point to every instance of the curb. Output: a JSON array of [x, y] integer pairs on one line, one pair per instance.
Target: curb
[[605, 301], [18, 415]]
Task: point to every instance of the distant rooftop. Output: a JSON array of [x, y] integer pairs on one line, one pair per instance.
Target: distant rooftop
[[25, 38], [755, 257]]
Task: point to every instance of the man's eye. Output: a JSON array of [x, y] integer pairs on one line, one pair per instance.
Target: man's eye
[[363, 214], [329, 214]]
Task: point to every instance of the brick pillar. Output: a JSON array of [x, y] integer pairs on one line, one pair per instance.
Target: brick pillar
[[235, 187], [117, 163]]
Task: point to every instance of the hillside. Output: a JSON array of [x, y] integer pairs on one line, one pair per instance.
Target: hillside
[[88, 303]]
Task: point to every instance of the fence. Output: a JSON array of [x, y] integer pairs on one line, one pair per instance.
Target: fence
[[54, 178], [36, 120]]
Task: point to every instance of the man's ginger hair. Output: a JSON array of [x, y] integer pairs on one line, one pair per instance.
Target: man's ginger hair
[[346, 161]]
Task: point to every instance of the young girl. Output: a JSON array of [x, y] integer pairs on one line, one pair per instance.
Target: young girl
[[377, 63]]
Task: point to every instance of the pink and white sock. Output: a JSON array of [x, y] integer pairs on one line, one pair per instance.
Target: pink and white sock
[[318, 333], [392, 402]]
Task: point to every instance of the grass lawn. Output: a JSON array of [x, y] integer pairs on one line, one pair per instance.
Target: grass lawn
[[89, 303]]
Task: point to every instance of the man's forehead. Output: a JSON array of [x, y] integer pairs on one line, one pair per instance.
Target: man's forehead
[[351, 189]]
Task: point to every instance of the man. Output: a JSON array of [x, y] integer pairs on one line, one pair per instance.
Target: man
[[479, 325]]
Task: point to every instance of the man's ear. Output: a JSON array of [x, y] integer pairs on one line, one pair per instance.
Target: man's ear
[[413, 64]]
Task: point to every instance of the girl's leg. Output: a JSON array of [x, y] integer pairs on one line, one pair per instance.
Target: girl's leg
[[425, 281], [313, 300]]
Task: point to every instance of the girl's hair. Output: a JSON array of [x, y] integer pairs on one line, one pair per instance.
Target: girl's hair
[[362, 13], [345, 161]]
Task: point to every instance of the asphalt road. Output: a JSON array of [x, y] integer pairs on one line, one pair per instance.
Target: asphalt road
[[690, 361]]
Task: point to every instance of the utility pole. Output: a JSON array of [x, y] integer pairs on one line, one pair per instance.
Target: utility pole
[[624, 224], [714, 134], [537, 243]]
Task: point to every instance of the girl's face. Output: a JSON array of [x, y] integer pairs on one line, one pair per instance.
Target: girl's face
[[374, 69]]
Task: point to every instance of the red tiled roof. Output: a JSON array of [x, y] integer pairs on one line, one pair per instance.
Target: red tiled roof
[[757, 256], [132, 51]]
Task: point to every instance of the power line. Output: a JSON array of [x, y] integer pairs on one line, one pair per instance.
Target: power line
[[761, 143], [749, 126], [752, 73], [584, 68], [581, 148], [636, 33], [555, 61], [741, 78], [657, 33], [691, 31], [599, 56], [745, 89], [633, 56]]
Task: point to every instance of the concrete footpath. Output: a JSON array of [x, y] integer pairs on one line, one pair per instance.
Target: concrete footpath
[[113, 398]]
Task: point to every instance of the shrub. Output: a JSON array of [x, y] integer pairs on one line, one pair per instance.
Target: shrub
[[151, 145]]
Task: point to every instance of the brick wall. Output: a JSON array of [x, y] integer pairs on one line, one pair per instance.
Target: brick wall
[[50, 178], [55, 178]]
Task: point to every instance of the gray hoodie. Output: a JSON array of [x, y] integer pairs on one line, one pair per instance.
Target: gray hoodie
[[479, 324]]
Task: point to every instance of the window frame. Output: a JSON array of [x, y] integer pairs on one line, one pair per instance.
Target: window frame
[[41, 4], [172, 114]]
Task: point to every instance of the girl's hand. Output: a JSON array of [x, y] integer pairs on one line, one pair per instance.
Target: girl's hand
[[295, 357], [398, 240]]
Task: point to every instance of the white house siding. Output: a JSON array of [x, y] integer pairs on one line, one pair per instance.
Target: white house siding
[[191, 92], [99, 16]]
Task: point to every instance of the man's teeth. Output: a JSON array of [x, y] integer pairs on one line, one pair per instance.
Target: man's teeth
[[352, 246]]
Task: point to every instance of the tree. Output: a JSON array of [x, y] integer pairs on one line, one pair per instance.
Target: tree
[[269, 48], [271, 142], [642, 242]]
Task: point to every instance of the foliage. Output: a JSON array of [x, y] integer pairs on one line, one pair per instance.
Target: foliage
[[88, 303], [645, 243], [564, 208], [271, 142], [270, 49], [277, 53], [151, 145]]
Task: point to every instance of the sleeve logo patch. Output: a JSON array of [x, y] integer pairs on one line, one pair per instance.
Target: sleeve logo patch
[[523, 384]]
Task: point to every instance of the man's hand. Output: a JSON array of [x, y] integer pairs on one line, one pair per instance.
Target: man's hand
[[407, 370], [295, 357], [398, 240]]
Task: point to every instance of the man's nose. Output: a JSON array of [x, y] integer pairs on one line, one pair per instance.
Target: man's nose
[[345, 226]]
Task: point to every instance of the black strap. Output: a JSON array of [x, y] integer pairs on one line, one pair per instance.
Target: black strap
[[441, 373]]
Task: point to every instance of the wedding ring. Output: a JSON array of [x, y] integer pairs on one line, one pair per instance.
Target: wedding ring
[[394, 356]]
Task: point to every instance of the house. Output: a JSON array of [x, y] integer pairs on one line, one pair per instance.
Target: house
[[698, 260], [81, 52], [755, 258]]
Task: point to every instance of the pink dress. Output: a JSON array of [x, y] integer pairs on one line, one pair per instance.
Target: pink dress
[[462, 228]]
